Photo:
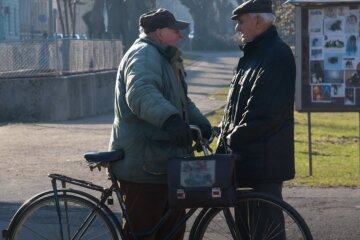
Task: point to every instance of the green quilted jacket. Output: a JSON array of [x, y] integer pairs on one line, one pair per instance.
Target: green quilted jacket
[[150, 87]]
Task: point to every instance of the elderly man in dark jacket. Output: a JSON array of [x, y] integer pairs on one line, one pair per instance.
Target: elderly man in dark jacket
[[258, 121]]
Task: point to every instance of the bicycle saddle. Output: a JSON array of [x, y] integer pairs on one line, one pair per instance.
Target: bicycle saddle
[[110, 156]]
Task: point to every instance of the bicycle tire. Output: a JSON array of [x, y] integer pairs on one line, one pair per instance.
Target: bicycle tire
[[254, 224], [39, 220]]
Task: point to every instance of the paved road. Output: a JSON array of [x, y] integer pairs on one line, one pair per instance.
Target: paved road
[[28, 152]]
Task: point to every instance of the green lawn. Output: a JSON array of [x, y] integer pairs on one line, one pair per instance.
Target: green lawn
[[335, 148]]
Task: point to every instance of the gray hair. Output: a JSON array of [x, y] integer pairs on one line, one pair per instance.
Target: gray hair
[[142, 32], [268, 17]]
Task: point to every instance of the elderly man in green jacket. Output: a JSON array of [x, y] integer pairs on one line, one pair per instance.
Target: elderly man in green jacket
[[152, 117]]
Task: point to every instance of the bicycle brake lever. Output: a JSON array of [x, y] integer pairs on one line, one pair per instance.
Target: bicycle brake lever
[[197, 147], [210, 149]]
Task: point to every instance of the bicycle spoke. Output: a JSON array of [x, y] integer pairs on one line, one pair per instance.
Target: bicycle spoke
[[35, 233], [81, 219], [257, 217], [235, 233]]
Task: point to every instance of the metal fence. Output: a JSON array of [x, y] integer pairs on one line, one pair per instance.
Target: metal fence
[[58, 57]]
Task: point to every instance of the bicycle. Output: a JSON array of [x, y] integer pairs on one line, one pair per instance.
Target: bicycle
[[68, 213]]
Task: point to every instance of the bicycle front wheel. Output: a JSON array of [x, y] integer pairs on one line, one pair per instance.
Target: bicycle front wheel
[[255, 217], [80, 219]]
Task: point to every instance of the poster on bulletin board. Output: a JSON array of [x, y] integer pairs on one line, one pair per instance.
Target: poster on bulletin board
[[328, 56]]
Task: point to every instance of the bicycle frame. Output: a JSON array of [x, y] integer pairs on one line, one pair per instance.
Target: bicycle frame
[[100, 203], [106, 193]]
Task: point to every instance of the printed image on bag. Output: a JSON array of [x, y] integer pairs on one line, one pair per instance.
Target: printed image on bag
[[199, 173]]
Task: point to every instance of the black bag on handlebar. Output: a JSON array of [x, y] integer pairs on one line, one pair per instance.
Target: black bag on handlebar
[[206, 181]]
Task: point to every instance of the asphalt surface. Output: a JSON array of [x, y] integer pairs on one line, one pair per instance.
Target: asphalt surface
[[28, 152]]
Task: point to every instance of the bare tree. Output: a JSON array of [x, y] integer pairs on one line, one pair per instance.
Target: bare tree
[[211, 23], [285, 20], [123, 19], [224, 24], [67, 9], [94, 20]]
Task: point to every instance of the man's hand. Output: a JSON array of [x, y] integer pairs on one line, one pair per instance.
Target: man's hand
[[205, 131], [179, 131]]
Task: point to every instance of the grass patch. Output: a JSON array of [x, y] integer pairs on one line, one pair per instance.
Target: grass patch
[[190, 58], [335, 147], [221, 94]]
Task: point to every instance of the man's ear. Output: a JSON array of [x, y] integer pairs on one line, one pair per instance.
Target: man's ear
[[159, 33], [156, 35], [259, 21]]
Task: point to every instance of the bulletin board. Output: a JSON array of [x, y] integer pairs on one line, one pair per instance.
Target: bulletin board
[[327, 52]]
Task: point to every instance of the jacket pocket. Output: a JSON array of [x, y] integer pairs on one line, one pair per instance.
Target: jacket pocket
[[156, 155], [252, 163], [280, 153]]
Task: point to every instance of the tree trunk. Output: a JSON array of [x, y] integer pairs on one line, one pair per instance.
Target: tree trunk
[[224, 25], [124, 18], [199, 10], [211, 23], [94, 20]]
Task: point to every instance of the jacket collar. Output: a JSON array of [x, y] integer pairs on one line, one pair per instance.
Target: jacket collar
[[263, 37], [169, 52]]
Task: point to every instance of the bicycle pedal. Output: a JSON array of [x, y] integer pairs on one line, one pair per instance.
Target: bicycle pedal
[[110, 201]]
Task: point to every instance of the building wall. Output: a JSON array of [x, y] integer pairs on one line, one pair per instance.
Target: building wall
[[9, 20], [1, 22], [34, 18]]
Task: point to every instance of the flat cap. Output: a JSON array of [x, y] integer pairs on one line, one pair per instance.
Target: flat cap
[[252, 6], [160, 18]]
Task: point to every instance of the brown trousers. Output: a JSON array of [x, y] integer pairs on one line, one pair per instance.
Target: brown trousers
[[146, 204]]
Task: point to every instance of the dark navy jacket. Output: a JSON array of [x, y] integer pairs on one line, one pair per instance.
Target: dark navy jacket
[[258, 117]]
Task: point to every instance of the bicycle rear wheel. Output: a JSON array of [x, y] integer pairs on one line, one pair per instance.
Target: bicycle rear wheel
[[257, 216], [80, 219]]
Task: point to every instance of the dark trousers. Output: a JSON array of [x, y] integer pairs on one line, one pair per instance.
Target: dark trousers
[[255, 220], [146, 204]]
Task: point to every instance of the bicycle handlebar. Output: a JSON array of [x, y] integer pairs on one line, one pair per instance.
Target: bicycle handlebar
[[215, 132], [202, 142], [99, 159]]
